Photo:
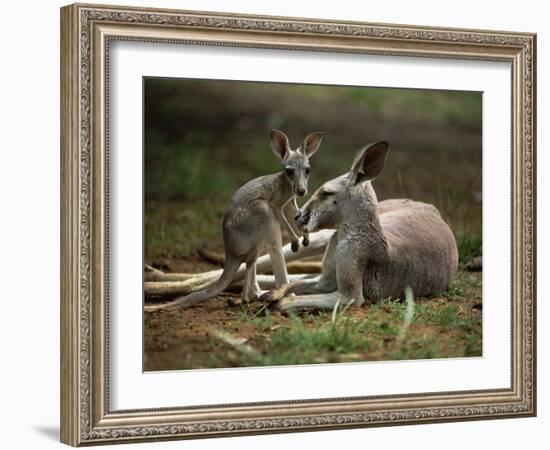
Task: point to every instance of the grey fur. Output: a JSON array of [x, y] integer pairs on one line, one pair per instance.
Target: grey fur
[[378, 248], [254, 218]]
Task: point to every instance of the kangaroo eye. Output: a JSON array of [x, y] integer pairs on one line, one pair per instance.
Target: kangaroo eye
[[308, 170], [289, 171]]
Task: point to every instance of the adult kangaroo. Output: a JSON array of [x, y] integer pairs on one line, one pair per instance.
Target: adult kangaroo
[[254, 218], [378, 248]]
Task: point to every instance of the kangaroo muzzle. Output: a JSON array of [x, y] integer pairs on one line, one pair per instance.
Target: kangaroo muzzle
[[301, 191]]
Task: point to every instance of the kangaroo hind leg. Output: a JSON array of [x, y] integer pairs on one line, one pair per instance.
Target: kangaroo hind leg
[[315, 301], [251, 290], [274, 243]]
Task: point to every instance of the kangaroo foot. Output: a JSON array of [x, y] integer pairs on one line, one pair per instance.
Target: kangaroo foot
[[253, 296], [275, 294], [282, 305], [305, 241]]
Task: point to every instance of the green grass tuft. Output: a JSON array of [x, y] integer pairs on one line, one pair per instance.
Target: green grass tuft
[[469, 246]]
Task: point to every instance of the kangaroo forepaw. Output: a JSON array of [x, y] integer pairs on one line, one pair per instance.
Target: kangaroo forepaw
[[305, 241], [267, 297], [295, 245]]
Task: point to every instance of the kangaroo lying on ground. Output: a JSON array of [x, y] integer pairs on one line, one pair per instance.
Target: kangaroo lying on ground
[[378, 249], [255, 217]]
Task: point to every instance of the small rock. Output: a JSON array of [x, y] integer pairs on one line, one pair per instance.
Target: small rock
[[475, 264], [234, 301]]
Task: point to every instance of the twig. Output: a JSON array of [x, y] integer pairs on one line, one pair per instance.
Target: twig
[[295, 267], [151, 269], [235, 342], [257, 313], [212, 256]]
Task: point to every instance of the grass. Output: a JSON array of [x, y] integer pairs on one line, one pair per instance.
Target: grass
[[438, 107], [469, 246], [388, 330], [308, 339], [177, 230], [462, 217], [183, 171]]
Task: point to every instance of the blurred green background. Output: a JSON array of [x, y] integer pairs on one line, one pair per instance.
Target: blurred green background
[[205, 138]]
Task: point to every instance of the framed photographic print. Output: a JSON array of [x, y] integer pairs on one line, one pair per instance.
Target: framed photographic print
[[277, 224]]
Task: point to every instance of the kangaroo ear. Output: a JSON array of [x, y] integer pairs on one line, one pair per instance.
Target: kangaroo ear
[[311, 143], [280, 144], [369, 162]]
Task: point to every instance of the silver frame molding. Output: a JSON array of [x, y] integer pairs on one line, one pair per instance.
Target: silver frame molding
[[86, 32]]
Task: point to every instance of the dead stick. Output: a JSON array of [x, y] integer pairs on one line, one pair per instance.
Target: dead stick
[[212, 256], [318, 243], [160, 276], [292, 267], [162, 289]]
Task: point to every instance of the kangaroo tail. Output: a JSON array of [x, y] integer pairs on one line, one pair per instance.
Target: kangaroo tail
[[229, 271]]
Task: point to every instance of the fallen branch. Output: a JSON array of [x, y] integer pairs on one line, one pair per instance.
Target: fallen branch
[[237, 343], [292, 267], [212, 256], [160, 276], [158, 283], [164, 288], [151, 269]]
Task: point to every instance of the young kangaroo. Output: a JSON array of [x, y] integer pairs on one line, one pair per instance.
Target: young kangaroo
[[378, 248], [255, 217]]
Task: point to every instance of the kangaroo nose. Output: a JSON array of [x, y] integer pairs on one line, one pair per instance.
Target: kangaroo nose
[[302, 219], [300, 191]]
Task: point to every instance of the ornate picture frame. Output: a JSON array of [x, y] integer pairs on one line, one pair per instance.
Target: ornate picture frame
[[86, 34]]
